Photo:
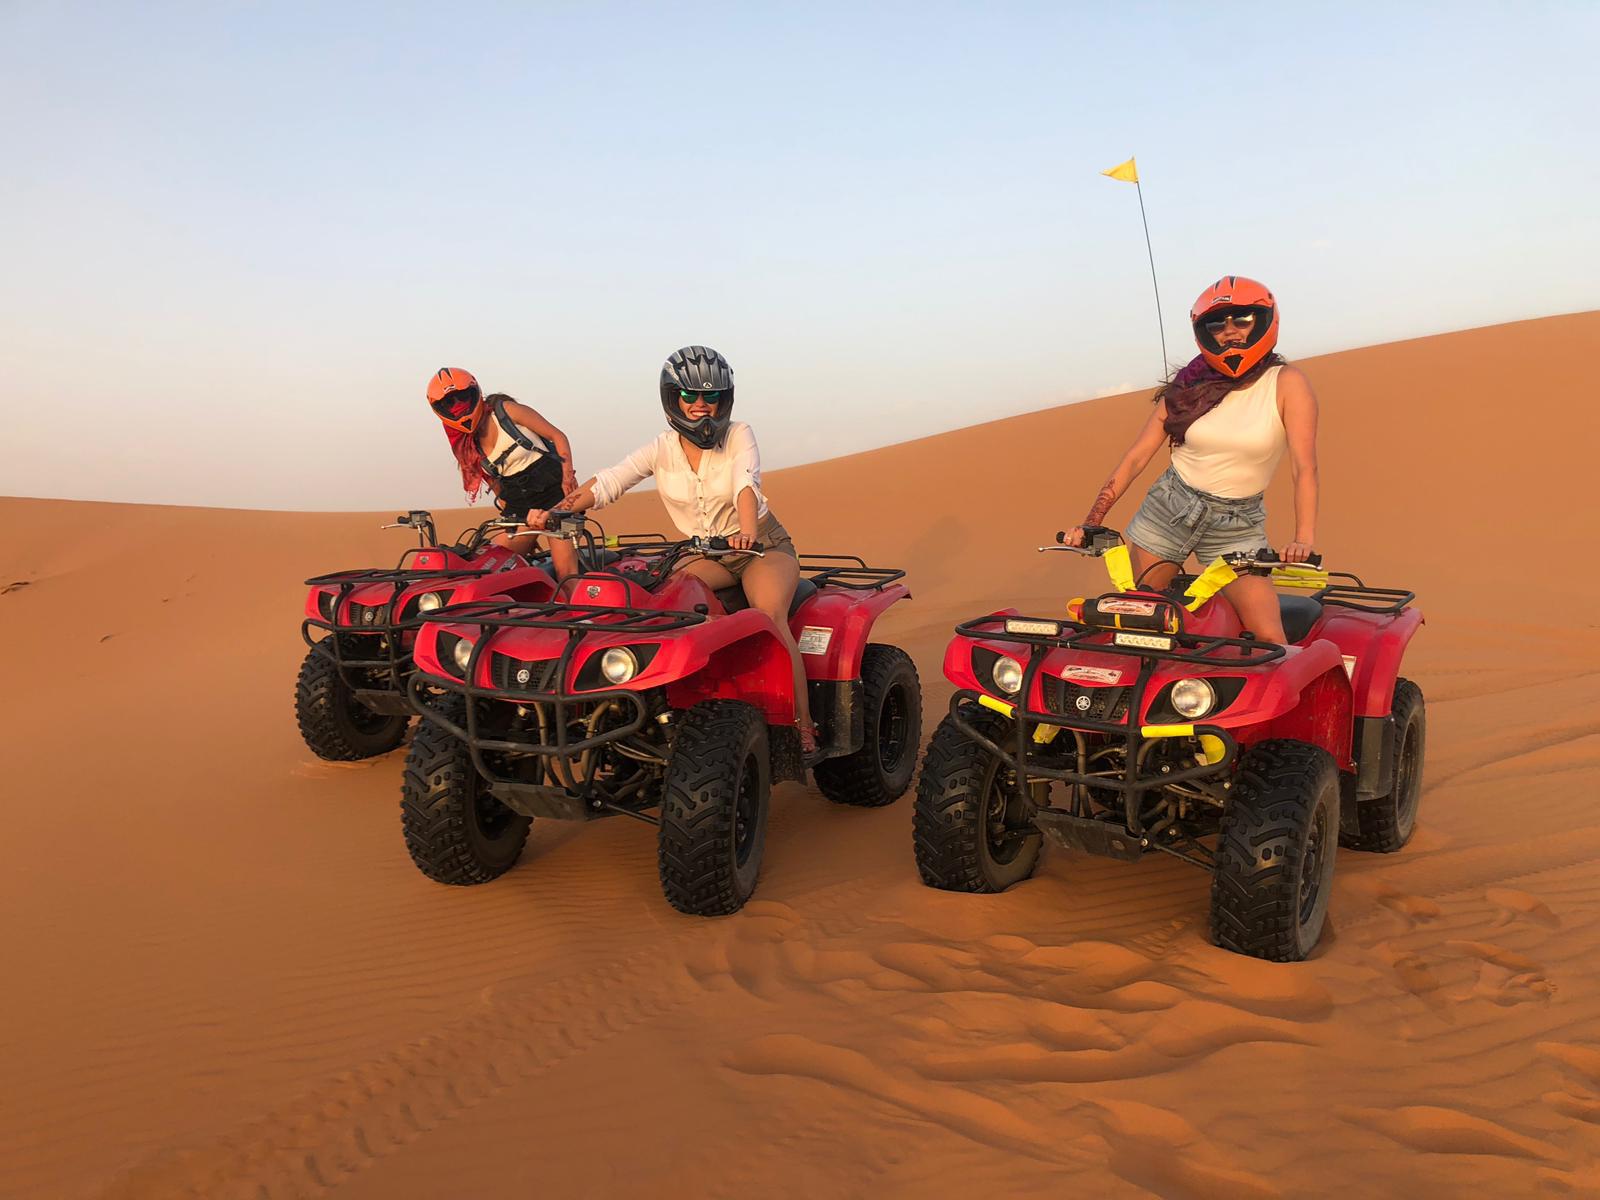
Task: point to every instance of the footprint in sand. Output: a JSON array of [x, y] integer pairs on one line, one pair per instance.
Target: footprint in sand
[[15, 586], [1581, 1066], [1414, 972], [1505, 978], [1437, 1130], [1515, 905], [1413, 910]]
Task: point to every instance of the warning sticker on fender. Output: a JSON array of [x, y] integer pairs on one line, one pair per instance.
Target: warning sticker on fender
[[814, 639], [1131, 608], [1091, 675]]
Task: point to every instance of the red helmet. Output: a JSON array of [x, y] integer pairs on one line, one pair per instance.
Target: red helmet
[[456, 398], [1247, 301]]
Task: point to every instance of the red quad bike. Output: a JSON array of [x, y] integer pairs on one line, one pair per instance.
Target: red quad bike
[[1149, 721], [360, 627], [642, 692]]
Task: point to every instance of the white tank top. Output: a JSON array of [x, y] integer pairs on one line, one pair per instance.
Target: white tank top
[[1233, 450], [517, 457]]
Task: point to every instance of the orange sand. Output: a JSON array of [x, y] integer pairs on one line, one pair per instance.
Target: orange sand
[[224, 978]]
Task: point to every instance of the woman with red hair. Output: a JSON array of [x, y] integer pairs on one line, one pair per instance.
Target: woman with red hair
[[1228, 418], [511, 450]]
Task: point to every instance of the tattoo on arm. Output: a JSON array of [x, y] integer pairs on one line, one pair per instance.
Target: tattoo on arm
[[1102, 503]]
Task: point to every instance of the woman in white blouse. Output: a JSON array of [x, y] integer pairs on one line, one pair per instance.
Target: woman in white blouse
[[708, 471]]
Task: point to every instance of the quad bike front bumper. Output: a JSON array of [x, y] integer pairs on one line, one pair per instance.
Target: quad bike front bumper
[[1026, 755], [566, 786], [372, 648]]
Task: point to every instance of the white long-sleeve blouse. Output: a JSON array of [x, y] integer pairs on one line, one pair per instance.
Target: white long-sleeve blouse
[[700, 503]]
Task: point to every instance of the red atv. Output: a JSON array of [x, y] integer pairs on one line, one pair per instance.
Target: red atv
[[1149, 721], [360, 626], [641, 692]]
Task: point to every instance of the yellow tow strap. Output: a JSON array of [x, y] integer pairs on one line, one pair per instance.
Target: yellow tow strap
[[1297, 575], [999, 706], [1155, 731], [1119, 565], [1042, 734], [1208, 583]]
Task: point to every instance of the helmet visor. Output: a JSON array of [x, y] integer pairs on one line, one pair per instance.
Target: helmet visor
[[1252, 321], [454, 406], [712, 398]]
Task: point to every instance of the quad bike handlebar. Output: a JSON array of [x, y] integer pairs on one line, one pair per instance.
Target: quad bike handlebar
[[421, 520], [577, 527], [1100, 538], [1263, 561]]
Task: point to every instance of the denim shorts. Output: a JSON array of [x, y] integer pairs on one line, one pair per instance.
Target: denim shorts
[[1176, 521]]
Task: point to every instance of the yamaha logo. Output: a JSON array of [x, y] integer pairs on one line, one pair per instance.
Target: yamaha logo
[[592, 591], [1082, 703], [524, 675]]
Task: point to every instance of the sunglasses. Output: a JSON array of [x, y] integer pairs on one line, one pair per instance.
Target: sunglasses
[[1240, 321], [709, 397]]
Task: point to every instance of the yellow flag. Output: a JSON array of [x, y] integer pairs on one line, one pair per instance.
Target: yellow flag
[[1126, 172]]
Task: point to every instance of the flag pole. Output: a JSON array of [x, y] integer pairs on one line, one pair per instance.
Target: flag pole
[[1160, 322], [1128, 172]]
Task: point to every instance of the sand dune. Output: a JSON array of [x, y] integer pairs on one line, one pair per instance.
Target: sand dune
[[225, 978]]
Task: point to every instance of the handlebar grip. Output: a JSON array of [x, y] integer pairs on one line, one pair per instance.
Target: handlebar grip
[[1090, 532], [1273, 558]]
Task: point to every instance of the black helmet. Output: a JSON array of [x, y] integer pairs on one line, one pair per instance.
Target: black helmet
[[702, 370]]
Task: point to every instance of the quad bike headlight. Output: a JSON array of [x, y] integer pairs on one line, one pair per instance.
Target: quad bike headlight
[[1193, 698], [619, 664], [429, 601], [1007, 674], [327, 602], [462, 654]]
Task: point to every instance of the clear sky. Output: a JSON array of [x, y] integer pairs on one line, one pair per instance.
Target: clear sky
[[236, 239]]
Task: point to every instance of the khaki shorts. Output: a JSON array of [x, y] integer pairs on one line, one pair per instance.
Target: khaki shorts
[[774, 539]]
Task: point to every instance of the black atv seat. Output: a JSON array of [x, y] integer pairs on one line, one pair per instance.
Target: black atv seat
[[733, 598], [1299, 614]]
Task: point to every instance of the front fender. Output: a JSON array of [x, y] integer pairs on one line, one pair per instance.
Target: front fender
[[1305, 696], [737, 657]]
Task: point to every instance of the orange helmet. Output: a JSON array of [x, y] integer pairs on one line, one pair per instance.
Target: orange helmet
[[1246, 301], [456, 398]]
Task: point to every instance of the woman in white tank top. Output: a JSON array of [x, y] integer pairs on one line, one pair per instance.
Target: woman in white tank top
[[1229, 417], [508, 448]]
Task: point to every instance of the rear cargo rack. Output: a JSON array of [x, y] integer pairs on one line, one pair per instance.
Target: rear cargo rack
[[847, 571], [1359, 596]]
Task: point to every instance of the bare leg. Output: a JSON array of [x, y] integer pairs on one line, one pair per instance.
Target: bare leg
[[713, 574], [1143, 561], [564, 557], [1256, 602], [525, 544], [769, 584]]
